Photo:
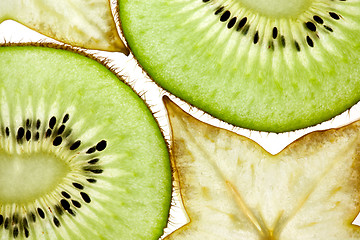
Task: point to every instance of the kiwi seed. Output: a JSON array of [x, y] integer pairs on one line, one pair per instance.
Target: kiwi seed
[[312, 23]]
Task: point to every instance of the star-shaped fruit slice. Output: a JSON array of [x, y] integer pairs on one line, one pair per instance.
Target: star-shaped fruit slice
[[232, 189], [82, 23]]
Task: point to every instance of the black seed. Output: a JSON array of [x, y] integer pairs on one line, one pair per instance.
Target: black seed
[[256, 37], [311, 26], [15, 218], [6, 223], [309, 41], [48, 133], [246, 30], [25, 222], [205, 1], [91, 180], [76, 204], [28, 135], [36, 136], [91, 150], [94, 161], [15, 232], [297, 46], [225, 16], [101, 145], [1, 220], [41, 213], [32, 217], [52, 122], [96, 171], [57, 141], [65, 194], [56, 222], [318, 19], [283, 42], [67, 133], [38, 123], [20, 133], [328, 28], [75, 145], [26, 232], [231, 23], [7, 131], [61, 129], [219, 10], [241, 23], [71, 212], [334, 15], [78, 186], [275, 33], [65, 204], [85, 197], [66, 118], [59, 210], [28, 123]]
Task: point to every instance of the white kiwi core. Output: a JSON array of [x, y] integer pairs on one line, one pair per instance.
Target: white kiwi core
[[26, 177], [277, 8]]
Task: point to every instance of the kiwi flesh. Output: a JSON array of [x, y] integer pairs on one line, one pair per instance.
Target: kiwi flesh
[[271, 66], [81, 156]]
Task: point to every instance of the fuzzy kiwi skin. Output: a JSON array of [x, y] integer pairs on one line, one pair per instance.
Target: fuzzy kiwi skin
[[99, 77], [283, 100]]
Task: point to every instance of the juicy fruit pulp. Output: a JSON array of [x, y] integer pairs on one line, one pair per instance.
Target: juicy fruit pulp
[[277, 8], [23, 178], [81, 155], [232, 189], [245, 66]]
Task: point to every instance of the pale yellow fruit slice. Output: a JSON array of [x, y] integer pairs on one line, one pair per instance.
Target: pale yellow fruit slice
[[84, 23], [233, 189]]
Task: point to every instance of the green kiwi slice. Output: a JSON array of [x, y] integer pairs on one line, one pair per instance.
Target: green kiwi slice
[[81, 156], [272, 66]]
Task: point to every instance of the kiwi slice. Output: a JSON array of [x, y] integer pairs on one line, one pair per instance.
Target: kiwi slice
[[273, 66], [81, 156]]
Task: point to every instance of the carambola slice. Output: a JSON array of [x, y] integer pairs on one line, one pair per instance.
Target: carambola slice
[[82, 23], [232, 189]]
